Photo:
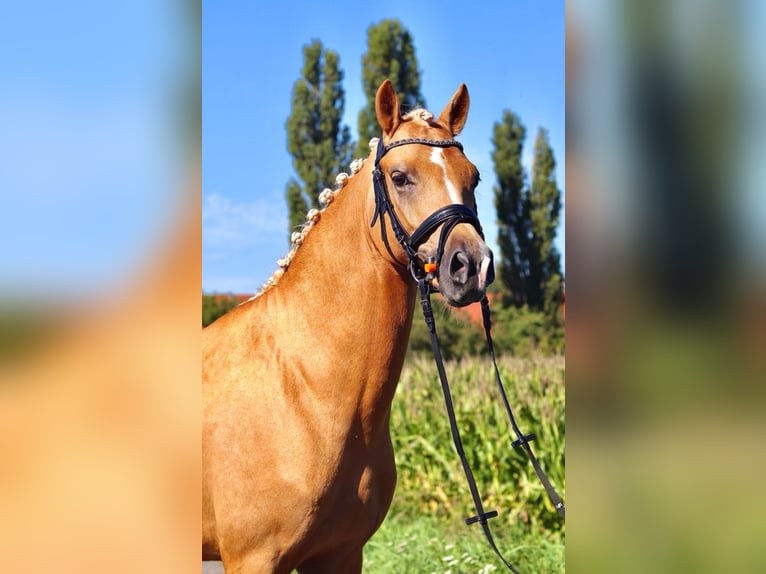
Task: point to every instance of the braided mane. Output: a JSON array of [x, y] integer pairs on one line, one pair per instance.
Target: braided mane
[[312, 218], [326, 198]]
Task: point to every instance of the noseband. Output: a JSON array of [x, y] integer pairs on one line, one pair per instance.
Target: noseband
[[448, 216]]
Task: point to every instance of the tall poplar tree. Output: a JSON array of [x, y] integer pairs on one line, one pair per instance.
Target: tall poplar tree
[[512, 237], [528, 214], [320, 145], [544, 200], [390, 55]]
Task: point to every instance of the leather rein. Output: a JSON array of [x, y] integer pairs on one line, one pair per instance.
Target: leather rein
[[448, 217]]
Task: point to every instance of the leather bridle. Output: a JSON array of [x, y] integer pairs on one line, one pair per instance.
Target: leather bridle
[[448, 217]]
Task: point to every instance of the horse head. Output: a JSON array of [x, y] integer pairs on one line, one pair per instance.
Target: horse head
[[426, 185]]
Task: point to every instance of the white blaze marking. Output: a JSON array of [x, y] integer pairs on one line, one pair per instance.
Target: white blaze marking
[[437, 156]]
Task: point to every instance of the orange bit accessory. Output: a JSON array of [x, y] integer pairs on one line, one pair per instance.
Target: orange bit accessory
[[429, 267]]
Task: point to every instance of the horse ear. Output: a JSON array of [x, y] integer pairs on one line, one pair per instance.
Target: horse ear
[[456, 112], [387, 108]]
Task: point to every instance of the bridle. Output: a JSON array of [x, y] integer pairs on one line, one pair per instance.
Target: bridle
[[448, 217]]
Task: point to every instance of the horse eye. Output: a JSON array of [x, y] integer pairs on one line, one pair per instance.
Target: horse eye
[[398, 178]]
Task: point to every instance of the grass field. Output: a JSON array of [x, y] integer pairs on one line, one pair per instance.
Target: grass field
[[424, 531], [427, 545]]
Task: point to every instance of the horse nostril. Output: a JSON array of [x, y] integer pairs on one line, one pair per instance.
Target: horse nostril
[[458, 267]]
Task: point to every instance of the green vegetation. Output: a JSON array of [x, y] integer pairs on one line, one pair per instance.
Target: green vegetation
[[525, 333], [430, 477], [544, 199], [319, 144], [457, 337], [528, 264], [424, 531], [515, 330], [426, 545], [213, 306], [390, 55]]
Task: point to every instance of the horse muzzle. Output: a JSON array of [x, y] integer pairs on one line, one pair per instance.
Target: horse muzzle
[[466, 270]]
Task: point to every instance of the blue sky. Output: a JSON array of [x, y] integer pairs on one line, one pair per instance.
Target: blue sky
[[89, 115], [509, 54]]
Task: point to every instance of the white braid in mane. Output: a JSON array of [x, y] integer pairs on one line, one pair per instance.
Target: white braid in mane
[[312, 218]]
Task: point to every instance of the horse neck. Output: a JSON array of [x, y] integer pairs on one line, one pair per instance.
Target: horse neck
[[347, 308]]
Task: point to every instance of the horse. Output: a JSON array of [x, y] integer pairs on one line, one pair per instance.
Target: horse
[[298, 466]]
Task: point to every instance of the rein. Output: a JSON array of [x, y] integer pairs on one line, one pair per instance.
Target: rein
[[449, 217]]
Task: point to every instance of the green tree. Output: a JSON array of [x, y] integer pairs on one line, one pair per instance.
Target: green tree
[[510, 199], [320, 145], [545, 283], [528, 214], [390, 55]]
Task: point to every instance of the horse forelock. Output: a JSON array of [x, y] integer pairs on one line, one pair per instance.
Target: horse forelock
[[419, 114]]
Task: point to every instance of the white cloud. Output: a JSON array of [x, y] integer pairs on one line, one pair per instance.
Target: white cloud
[[229, 226]]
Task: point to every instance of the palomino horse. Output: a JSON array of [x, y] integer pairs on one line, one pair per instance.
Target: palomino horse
[[298, 468]]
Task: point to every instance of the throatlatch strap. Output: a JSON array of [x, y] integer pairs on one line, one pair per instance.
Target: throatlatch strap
[[522, 440]]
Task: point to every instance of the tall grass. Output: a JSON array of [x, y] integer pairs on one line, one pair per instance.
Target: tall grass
[[432, 497]]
